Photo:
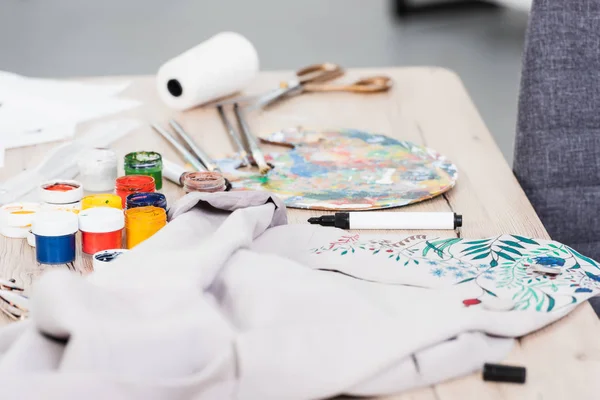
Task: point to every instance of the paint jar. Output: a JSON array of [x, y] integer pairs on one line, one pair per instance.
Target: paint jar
[[126, 185], [143, 222], [55, 236], [203, 182], [71, 207], [16, 219], [147, 199], [101, 200], [145, 163], [98, 169], [102, 258], [101, 229], [66, 194]]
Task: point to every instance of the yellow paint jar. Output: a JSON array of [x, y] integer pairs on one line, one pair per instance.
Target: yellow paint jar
[[102, 200], [143, 222]]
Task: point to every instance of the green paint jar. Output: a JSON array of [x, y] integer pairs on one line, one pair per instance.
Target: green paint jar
[[145, 163]]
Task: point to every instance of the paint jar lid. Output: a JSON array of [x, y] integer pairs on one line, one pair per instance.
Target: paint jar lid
[[104, 257], [101, 220], [18, 214], [61, 191], [13, 232], [55, 223], [30, 238]]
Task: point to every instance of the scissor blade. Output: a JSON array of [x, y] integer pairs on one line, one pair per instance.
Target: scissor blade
[[275, 95]]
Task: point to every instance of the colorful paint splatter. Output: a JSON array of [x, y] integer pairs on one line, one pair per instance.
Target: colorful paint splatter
[[350, 170], [503, 266]]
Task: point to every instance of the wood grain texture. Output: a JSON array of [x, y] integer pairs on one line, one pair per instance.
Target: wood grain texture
[[428, 106]]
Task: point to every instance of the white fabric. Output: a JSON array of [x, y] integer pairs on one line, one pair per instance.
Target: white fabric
[[221, 305]]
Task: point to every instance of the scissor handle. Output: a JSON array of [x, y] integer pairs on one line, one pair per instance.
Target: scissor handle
[[371, 84], [319, 73]]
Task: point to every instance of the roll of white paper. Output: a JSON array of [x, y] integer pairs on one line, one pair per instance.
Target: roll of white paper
[[220, 66]]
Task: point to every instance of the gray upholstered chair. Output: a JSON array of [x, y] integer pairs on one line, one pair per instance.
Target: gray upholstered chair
[[557, 149]]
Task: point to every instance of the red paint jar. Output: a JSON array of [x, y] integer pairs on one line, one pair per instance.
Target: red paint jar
[[101, 229], [126, 185]]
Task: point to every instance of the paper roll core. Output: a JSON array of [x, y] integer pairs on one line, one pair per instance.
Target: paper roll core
[[174, 87]]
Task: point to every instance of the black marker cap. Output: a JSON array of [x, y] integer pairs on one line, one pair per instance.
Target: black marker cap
[[457, 220], [504, 373]]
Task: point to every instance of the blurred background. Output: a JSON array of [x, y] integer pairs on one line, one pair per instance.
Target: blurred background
[[482, 42]]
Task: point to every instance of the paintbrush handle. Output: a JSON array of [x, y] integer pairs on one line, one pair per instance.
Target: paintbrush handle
[[241, 149], [257, 153], [181, 149], [200, 154]]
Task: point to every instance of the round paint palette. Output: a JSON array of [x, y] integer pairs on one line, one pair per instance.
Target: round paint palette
[[349, 170]]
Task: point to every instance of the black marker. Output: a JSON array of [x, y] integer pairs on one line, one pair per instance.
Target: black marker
[[504, 373], [390, 220]]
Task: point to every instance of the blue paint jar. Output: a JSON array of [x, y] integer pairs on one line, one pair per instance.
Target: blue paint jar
[[54, 233], [144, 199]]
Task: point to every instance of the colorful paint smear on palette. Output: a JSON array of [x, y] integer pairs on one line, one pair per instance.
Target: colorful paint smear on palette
[[349, 170], [504, 267]]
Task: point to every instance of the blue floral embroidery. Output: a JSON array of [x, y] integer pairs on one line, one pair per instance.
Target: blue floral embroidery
[[451, 268], [459, 275], [583, 290], [550, 261], [431, 262], [438, 272]]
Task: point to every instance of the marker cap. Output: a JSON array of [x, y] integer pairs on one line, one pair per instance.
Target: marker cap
[[101, 220], [504, 373], [55, 223]]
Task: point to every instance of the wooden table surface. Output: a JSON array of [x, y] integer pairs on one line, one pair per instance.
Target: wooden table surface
[[428, 106]]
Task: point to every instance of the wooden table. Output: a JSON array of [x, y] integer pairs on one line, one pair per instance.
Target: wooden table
[[428, 106]]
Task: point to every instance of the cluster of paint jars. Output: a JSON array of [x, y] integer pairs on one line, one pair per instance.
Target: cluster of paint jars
[[108, 222]]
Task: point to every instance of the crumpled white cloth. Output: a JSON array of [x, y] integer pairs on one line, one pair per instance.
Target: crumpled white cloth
[[219, 305]]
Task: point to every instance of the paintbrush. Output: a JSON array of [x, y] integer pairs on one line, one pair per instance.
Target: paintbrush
[[200, 154], [179, 147], [255, 150], [241, 149]]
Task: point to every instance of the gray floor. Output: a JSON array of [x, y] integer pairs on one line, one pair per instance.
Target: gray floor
[[72, 37]]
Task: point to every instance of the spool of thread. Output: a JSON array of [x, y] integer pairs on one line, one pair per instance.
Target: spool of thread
[[61, 192], [16, 219], [145, 163], [143, 222], [105, 257], [147, 199], [101, 200], [203, 182], [98, 169], [126, 185], [101, 229], [222, 65], [55, 236]]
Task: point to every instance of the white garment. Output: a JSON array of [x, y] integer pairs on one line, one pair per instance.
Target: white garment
[[221, 305]]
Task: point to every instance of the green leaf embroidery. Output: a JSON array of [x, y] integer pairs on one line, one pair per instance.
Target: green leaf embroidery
[[398, 257], [551, 303], [493, 263], [490, 293], [344, 252], [465, 280], [416, 262], [514, 244], [504, 255], [525, 240], [510, 250], [576, 266], [477, 246], [479, 257], [477, 251], [584, 258], [406, 263], [477, 241], [573, 299]]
